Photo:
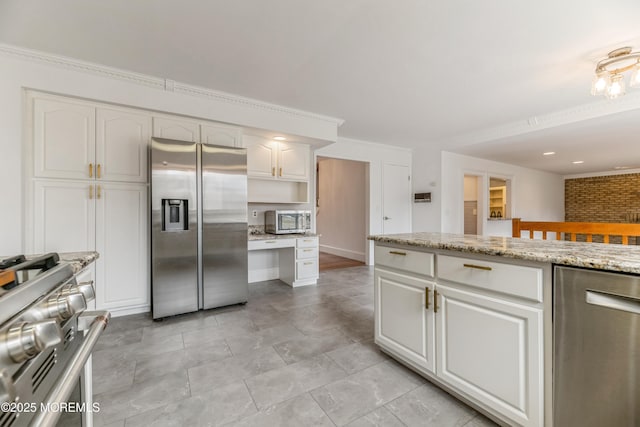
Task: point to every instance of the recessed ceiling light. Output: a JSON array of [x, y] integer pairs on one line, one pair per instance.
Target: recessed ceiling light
[[578, 162], [549, 153], [279, 138]]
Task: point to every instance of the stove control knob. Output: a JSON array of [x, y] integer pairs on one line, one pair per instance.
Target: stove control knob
[[25, 340], [65, 304], [7, 390], [85, 288]]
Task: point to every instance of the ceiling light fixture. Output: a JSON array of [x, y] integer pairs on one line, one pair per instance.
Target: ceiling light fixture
[[578, 162], [279, 138], [609, 73], [549, 153]]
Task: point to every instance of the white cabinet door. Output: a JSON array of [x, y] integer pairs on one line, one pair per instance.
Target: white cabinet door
[[491, 350], [64, 138], [215, 134], [64, 216], [261, 157], [403, 322], [293, 161], [121, 239], [122, 144], [182, 130]]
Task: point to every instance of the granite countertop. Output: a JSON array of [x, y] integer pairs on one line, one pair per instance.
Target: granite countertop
[[623, 258], [266, 236], [79, 260]]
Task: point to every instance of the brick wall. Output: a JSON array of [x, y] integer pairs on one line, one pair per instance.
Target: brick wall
[[614, 198]]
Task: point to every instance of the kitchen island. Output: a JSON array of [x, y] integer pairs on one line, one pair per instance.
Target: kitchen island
[[473, 314]]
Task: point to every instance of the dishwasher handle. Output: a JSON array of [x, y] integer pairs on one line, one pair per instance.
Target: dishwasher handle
[[616, 302]]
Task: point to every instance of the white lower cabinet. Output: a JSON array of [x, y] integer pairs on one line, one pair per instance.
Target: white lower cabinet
[[110, 218], [483, 345], [491, 350], [403, 320]]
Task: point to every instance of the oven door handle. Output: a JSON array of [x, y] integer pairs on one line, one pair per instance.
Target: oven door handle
[[96, 322]]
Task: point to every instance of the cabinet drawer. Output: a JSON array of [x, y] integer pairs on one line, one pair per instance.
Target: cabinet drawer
[[307, 242], [304, 253], [255, 245], [307, 269], [404, 259], [516, 280]]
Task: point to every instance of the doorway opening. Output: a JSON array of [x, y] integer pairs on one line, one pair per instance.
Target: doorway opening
[[472, 192], [342, 212]]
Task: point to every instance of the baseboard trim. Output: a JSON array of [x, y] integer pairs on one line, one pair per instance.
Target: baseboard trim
[[345, 253], [125, 311]]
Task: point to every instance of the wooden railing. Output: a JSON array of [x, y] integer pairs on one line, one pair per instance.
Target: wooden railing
[[573, 229]]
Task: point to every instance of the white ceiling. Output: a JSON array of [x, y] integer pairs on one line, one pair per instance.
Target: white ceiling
[[410, 72]]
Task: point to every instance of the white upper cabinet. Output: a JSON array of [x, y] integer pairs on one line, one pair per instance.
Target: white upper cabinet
[[175, 128], [77, 140], [121, 145], [261, 157], [64, 138], [293, 161], [215, 134], [277, 160]]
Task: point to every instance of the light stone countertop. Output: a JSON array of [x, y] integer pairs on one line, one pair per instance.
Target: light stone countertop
[[613, 257], [266, 236], [77, 260]]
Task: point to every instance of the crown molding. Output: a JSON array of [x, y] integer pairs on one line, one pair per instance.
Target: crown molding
[[155, 82], [592, 110]]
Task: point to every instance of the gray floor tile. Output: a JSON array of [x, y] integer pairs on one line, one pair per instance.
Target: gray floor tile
[[284, 383], [304, 347], [116, 339], [205, 378], [429, 404], [242, 344], [178, 325], [154, 393], [357, 395], [381, 417], [480, 421], [297, 412], [357, 356], [220, 406], [207, 335], [165, 363], [142, 349]]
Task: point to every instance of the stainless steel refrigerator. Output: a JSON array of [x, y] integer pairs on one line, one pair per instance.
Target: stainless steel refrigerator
[[198, 226]]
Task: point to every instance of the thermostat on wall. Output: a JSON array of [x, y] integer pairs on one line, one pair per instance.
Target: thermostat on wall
[[422, 198]]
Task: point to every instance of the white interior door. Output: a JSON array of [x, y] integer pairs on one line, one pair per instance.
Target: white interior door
[[396, 199]]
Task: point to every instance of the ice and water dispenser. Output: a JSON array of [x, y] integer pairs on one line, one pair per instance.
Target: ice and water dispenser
[[175, 214]]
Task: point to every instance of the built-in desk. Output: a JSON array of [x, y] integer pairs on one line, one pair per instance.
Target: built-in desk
[[292, 258]]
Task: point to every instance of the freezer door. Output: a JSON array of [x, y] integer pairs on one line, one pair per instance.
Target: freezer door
[[596, 364], [174, 228], [224, 226]]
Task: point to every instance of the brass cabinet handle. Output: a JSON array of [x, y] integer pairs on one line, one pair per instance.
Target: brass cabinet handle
[[99, 191], [435, 301], [280, 171], [308, 240], [478, 267], [270, 241], [273, 171], [98, 171], [398, 253], [307, 250], [90, 170], [426, 298], [91, 192], [308, 263]]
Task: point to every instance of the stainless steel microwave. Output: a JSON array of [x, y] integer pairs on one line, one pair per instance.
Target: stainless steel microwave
[[287, 222]]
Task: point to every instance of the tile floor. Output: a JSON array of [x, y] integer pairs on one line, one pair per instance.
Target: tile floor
[[289, 357]]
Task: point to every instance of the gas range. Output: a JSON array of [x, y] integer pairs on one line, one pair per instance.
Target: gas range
[[46, 337]]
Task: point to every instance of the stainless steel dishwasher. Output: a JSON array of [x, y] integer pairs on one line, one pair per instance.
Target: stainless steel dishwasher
[[596, 345]]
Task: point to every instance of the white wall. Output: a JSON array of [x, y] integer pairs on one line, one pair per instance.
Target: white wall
[[426, 179], [536, 195], [20, 69], [376, 155], [342, 186]]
